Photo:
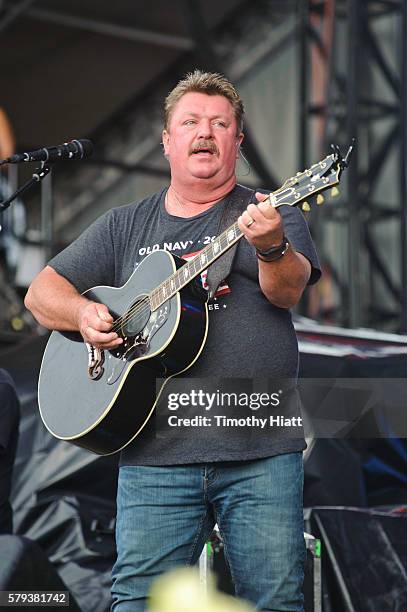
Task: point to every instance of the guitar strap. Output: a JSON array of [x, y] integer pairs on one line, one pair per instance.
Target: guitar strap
[[237, 202]]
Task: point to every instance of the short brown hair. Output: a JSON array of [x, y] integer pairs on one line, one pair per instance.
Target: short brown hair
[[210, 83]]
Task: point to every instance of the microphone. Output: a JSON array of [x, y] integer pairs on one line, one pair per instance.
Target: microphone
[[75, 149]]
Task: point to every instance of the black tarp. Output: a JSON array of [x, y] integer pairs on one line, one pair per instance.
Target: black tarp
[[63, 497], [25, 567], [364, 464], [364, 558], [9, 426]]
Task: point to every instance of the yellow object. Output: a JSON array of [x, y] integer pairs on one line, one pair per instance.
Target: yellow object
[[320, 199], [17, 323], [334, 192], [305, 207], [181, 590]]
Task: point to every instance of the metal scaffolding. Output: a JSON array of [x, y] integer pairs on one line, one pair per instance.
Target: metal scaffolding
[[353, 84]]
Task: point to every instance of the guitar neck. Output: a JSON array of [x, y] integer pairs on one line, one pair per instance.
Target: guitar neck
[[192, 268]]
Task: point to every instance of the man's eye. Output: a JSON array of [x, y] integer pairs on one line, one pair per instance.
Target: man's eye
[[189, 122]]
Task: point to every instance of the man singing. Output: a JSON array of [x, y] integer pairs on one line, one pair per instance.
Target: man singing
[[174, 485]]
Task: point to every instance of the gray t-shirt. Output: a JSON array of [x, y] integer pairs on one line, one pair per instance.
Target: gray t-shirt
[[251, 346]]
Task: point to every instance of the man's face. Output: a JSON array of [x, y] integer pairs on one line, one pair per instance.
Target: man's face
[[202, 141]]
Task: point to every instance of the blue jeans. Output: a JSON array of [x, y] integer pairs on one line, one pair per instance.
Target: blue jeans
[[166, 514]]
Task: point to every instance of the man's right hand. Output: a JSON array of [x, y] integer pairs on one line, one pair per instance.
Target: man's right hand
[[95, 324], [57, 304]]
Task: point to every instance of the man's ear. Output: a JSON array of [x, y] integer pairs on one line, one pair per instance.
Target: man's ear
[[239, 139], [166, 142]]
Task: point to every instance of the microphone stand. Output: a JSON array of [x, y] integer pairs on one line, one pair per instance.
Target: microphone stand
[[38, 175], [9, 293]]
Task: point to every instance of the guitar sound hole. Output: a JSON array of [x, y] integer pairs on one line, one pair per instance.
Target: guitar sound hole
[[136, 317]]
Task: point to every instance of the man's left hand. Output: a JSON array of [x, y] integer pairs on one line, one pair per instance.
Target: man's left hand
[[262, 224]]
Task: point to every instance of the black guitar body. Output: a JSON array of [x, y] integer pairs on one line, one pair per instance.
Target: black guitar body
[[101, 400]]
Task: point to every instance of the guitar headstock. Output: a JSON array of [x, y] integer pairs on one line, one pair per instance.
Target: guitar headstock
[[318, 178]]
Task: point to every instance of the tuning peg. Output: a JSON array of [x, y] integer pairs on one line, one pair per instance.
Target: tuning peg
[[334, 192], [320, 199], [305, 207]]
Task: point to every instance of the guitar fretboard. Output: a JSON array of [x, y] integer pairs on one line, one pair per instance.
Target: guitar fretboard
[[195, 266], [199, 263]]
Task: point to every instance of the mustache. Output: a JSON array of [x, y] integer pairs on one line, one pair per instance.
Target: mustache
[[204, 144]]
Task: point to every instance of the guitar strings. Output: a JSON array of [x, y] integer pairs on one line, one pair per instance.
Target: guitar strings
[[143, 306]]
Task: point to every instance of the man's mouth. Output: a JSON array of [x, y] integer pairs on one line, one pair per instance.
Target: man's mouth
[[203, 152]]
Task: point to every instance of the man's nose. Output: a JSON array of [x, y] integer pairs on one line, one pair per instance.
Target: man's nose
[[205, 129]]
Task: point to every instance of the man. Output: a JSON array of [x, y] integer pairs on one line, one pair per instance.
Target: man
[[176, 482]]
